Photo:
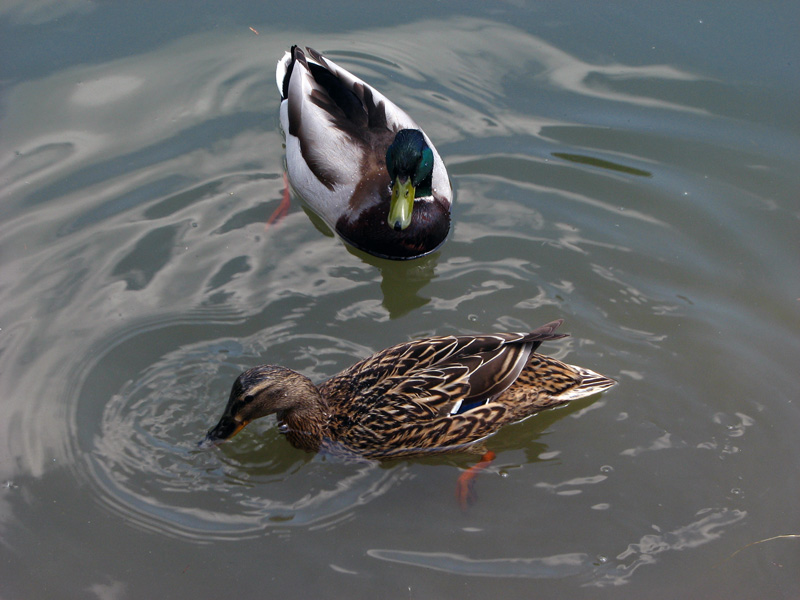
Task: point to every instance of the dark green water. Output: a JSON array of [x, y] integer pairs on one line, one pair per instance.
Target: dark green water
[[632, 169]]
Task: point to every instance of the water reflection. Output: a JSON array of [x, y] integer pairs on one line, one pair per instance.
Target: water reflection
[[34, 12], [710, 526], [597, 571], [401, 281], [548, 567], [602, 164]]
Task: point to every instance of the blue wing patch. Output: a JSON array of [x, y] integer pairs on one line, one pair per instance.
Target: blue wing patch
[[460, 407]]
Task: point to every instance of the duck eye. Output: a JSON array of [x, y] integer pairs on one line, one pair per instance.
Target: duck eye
[[248, 399]]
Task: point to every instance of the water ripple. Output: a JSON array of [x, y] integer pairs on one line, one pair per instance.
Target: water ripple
[[141, 453]]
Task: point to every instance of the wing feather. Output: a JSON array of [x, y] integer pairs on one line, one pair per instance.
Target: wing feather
[[431, 392]]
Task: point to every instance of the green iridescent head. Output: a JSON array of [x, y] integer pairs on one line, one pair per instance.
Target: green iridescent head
[[409, 162]]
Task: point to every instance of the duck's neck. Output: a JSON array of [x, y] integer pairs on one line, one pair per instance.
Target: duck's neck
[[304, 424]]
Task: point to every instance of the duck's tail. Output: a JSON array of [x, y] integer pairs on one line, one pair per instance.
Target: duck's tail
[[284, 72], [591, 383]]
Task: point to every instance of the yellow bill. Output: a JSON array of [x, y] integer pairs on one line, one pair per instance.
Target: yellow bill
[[401, 204]]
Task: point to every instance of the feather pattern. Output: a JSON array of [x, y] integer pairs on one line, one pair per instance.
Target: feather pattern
[[437, 394]]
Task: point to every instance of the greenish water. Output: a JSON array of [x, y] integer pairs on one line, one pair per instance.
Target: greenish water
[[632, 169]]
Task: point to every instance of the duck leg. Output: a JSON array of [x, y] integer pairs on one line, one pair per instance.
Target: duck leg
[[465, 487], [283, 207]]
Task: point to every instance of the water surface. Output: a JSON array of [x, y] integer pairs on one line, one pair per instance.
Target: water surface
[[631, 170]]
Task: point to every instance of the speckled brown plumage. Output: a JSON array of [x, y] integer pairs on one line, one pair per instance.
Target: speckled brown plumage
[[425, 396]]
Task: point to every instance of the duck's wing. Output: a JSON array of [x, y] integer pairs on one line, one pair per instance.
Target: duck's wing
[[437, 391], [316, 140], [490, 361], [335, 118], [350, 103]]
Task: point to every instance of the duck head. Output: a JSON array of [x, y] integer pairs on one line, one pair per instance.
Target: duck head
[[409, 162], [259, 392]]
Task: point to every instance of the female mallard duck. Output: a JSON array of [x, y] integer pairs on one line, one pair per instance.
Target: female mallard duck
[[359, 161], [433, 395]]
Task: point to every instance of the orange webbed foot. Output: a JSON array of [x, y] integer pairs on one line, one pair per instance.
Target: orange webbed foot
[[465, 487], [283, 208]]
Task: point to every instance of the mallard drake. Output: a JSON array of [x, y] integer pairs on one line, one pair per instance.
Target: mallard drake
[[433, 395], [359, 161]]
